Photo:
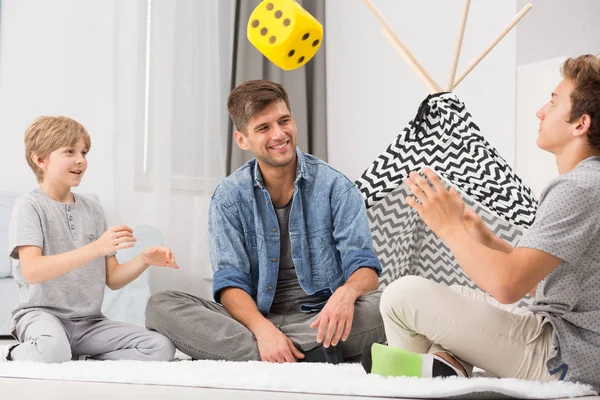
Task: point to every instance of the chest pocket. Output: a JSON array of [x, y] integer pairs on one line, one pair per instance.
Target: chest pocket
[[323, 256]]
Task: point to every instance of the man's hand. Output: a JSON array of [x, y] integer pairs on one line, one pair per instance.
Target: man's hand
[[114, 239], [159, 256], [274, 346], [440, 209], [335, 319]]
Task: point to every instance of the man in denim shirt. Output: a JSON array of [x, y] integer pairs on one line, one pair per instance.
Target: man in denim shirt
[[295, 274]]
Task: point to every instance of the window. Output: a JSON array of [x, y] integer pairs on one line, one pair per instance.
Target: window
[[186, 71]]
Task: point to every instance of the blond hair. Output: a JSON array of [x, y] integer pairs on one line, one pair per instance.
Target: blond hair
[[46, 134]]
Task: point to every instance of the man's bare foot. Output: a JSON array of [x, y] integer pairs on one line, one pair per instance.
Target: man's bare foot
[[450, 358]]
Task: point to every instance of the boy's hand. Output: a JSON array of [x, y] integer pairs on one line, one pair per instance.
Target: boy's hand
[[114, 239], [159, 256]]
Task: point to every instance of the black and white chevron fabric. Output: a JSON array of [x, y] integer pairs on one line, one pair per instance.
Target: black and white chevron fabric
[[443, 137]]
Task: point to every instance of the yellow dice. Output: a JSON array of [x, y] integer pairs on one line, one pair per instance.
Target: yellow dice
[[285, 33]]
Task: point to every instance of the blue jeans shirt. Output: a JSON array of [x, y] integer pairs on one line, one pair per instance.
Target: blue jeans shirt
[[329, 232]]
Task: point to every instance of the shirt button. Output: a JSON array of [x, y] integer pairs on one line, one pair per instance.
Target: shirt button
[[274, 229], [268, 201], [273, 259], [270, 288], [68, 208], [70, 218], [73, 227]]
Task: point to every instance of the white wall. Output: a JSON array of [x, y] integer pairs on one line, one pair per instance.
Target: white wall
[[56, 58], [372, 93], [553, 30], [535, 83], [556, 28]]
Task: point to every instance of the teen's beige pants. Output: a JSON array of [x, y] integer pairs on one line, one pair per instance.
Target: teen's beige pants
[[423, 316]]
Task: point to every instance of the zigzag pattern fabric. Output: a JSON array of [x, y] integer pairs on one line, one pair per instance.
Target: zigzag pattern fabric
[[443, 137]]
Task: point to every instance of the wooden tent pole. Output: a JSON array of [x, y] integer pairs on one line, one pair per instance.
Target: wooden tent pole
[[404, 51], [507, 29], [459, 41], [401, 49]]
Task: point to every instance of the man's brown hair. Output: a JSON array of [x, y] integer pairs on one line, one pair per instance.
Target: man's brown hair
[[252, 97], [584, 72], [46, 134]]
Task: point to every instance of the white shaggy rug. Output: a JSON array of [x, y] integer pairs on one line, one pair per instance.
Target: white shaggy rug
[[348, 379]]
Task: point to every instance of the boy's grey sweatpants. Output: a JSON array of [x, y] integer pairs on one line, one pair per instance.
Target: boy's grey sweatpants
[[203, 329], [46, 338]]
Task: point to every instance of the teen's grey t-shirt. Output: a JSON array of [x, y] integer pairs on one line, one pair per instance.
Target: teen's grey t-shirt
[[567, 226], [57, 228]]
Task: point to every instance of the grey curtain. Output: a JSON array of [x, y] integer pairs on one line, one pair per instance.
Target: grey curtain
[[305, 85]]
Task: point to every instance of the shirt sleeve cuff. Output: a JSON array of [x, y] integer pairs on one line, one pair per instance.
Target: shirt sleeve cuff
[[360, 259], [545, 247], [230, 277]]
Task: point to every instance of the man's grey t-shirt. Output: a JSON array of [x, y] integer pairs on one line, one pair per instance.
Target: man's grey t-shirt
[[567, 226], [58, 228], [289, 295]]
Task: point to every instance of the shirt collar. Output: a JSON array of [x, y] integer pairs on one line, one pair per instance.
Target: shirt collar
[[300, 170]]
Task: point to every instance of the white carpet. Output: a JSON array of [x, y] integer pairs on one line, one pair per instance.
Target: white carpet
[[348, 379]]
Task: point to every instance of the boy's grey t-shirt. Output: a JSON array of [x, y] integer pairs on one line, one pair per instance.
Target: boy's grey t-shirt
[[567, 226], [57, 228]]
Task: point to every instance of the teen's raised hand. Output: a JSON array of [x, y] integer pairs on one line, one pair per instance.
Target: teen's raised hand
[[442, 210], [476, 227], [115, 238], [159, 256]]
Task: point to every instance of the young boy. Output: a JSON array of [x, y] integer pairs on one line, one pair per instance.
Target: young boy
[[66, 255], [557, 260]]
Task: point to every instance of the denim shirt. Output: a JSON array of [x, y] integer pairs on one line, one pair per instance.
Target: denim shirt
[[329, 232]]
